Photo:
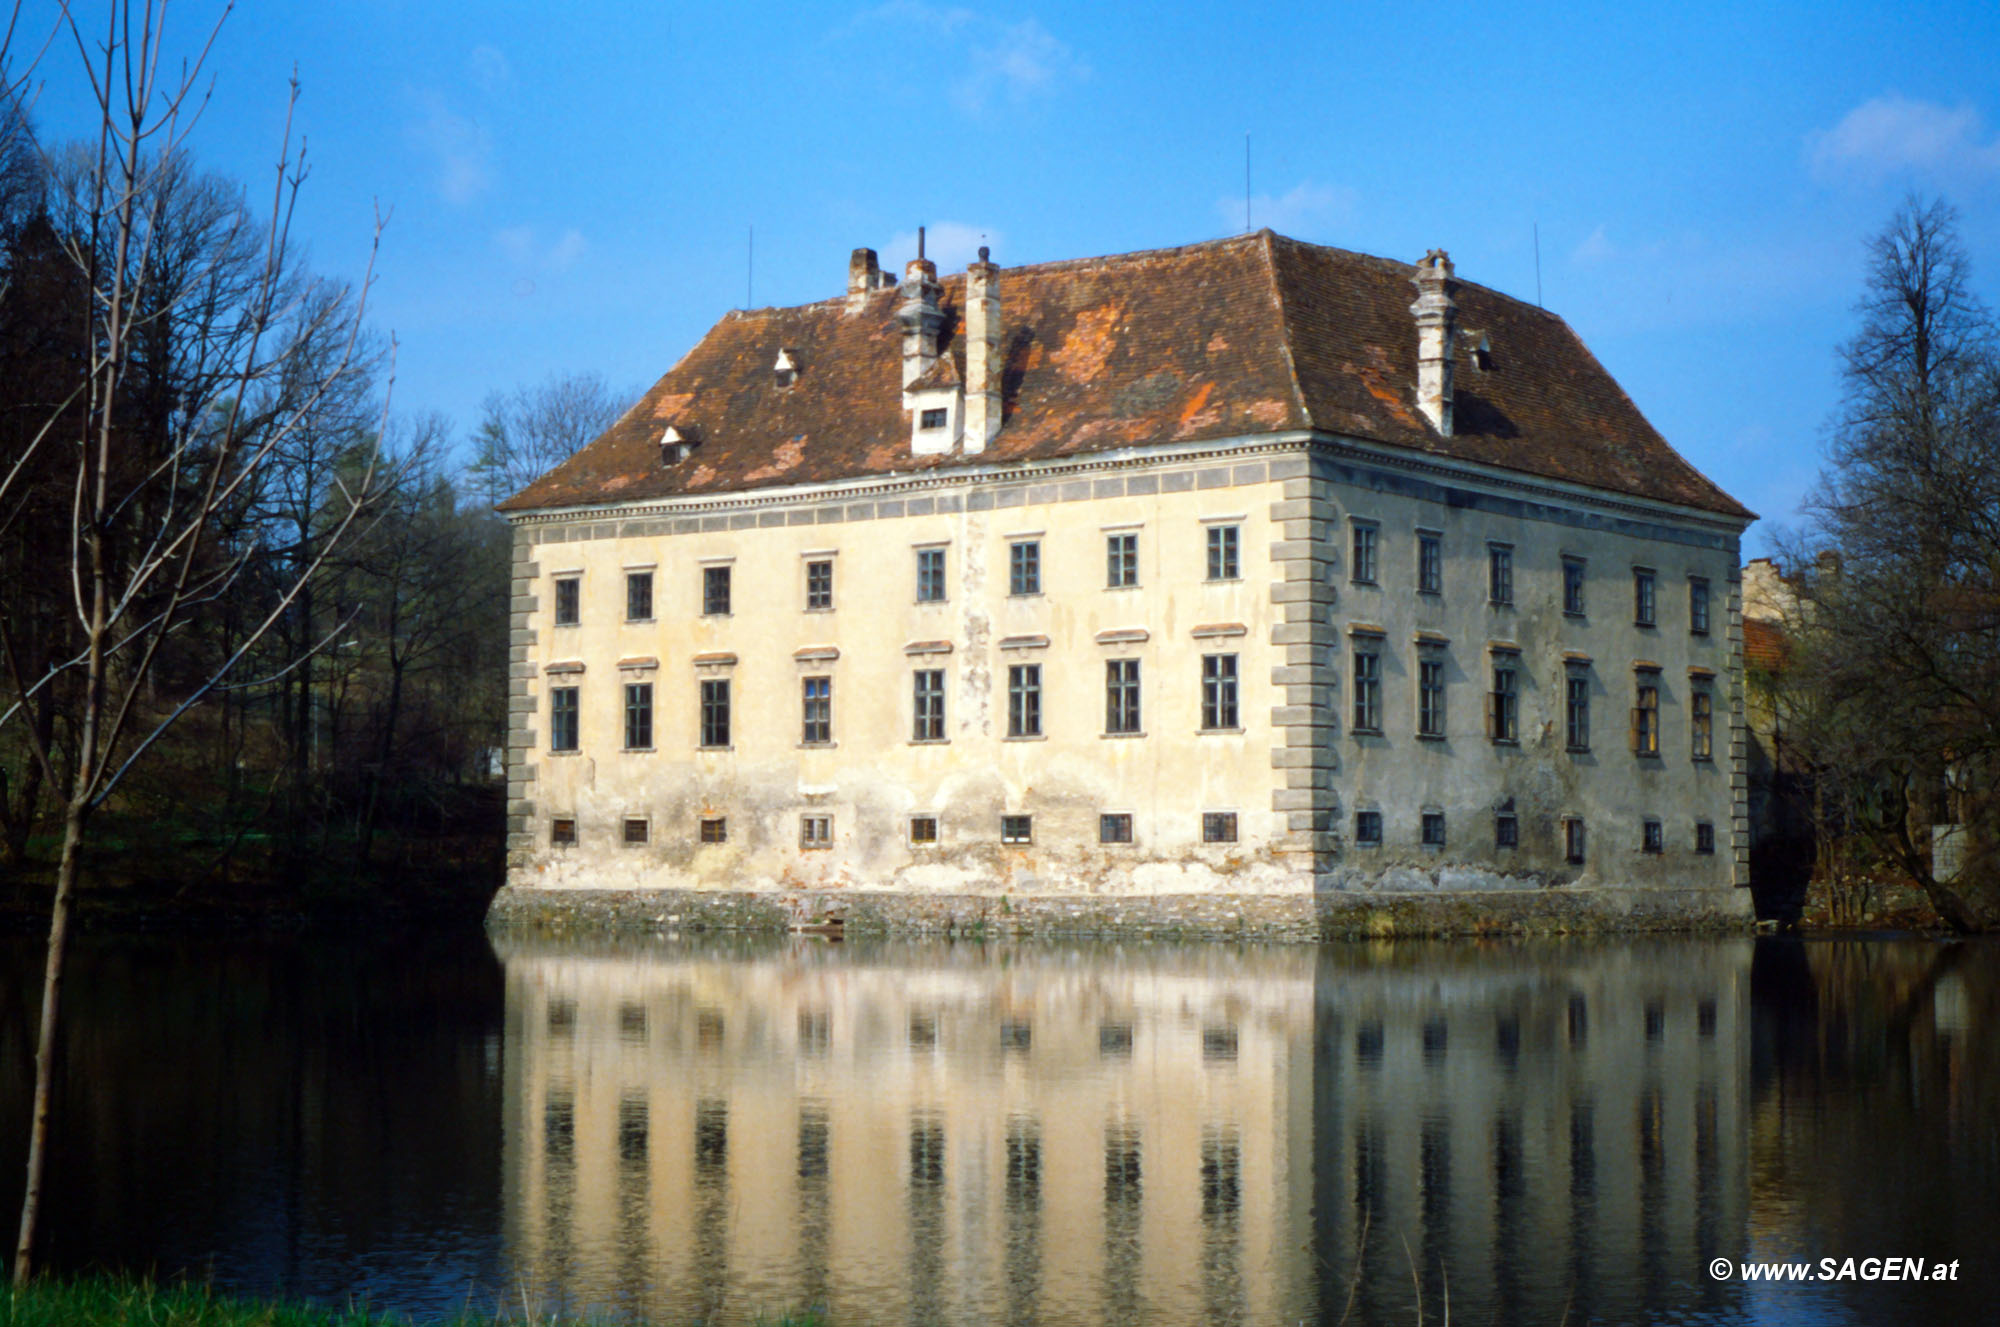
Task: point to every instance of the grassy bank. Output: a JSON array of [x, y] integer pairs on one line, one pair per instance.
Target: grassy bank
[[106, 1302]]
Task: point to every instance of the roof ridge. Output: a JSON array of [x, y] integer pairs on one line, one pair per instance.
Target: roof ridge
[[1284, 325]]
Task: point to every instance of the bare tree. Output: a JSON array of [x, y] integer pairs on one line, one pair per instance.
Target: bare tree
[[157, 484], [525, 433]]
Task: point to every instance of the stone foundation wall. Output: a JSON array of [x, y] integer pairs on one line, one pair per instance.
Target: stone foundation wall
[[1302, 918]]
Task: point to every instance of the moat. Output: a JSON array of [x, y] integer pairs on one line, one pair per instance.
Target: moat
[[714, 1128]]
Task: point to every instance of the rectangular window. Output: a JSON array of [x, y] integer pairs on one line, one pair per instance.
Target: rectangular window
[[1504, 714], [1646, 717], [927, 706], [1430, 698], [1643, 607], [1704, 836], [1652, 838], [1368, 828], [1573, 587], [1573, 842], [1430, 562], [1367, 690], [1017, 829], [1218, 827], [1024, 567], [1506, 830], [715, 712], [562, 719], [933, 418], [1114, 828], [1121, 696], [1222, 561], [1024, 700], [923, 829], [637, 831], [1218, 691], [1697, 605], [1701, 719], [569, 601], [1499, 574], [816, 694], [930, 575], [638, 596], [1121, 561], [1363, 569], [1576, 712], [1433, 829], [562, 831], [714, 829], [638, 716], [815, 831], [819, 586], [715, 591]]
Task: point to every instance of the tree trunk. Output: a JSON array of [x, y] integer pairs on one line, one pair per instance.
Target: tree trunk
[[45, 1045]]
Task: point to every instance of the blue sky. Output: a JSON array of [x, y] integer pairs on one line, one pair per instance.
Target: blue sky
[[572, 189]]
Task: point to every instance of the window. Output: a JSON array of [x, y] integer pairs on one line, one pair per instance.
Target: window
[[1121, 696], [1504, 713], [569, 601], [1430, 698], [1368, 829], [714, 591], [1017, 829], [1115, 828], [1367, 690], [1024, 567], [1218, 827], [562, 831], [715, 712], [1701, 720], [923, 829], [819, 586], [1121, 561], [1576, 712], [927, 690], [1218, 691], [1646, 717], [638, 596], [1433, 829], [1024, 700], [1573, 841], [1506, 830], [1222, 561], [1573, 587], [934, 418], [815, 831], [930, 575], [816, 695], [1499, 574], [638, 716], [1363, 570], [1643, 607], [1651, 837], [1704, 837], [1430, 562], [562, 718], [637, 831], [1698, 605], [714, 829]]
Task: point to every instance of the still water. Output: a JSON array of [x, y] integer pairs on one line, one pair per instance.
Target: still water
[[715, 1129]]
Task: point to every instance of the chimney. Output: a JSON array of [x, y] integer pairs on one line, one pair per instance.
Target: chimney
[[919, 314], [864, 274], [982, 353], [1435, 313]]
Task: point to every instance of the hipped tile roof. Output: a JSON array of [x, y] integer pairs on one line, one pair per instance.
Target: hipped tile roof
[[1254, 334]]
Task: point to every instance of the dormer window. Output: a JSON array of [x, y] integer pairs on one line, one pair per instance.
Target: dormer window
[[675, 445], [934, 419], [786, 371]]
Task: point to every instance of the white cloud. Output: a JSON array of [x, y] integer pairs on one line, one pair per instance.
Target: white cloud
[[1308, 209], [565, 252], [1011, 62], [490, 70], [521, 246], [461, 148], [1596, 248], [1891, 135], [949, 244]]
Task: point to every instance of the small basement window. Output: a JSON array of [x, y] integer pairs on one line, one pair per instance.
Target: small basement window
[[562, 831], [923, 829], [1017, 829], [933, 419], [714, 829], [636, 830]]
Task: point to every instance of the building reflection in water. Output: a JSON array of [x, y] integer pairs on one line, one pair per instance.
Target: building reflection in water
[[932, 1134]]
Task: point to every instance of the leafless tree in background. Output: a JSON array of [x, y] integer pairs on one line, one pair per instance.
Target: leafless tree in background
[[527, 432]]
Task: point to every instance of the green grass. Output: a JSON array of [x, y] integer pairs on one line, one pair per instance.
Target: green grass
[[119, 1302]]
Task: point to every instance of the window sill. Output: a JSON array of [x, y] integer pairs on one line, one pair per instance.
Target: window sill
[[1115, 736], [1576, 750], [1220, 732], [1025, 737], [1422, 593], [1371, 585], [1358, 731], [1222, 580], [640, 621], [930, 741], [566, 624], [828, 608], [715, 748], [1430, 737], [637, 750], [1134, 586], [1505, 741], [818, 746], [1696, 631], [1647, 626], [1499, 603], [706, 616], [1024, 594], [566, 751], [1703, 760]]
